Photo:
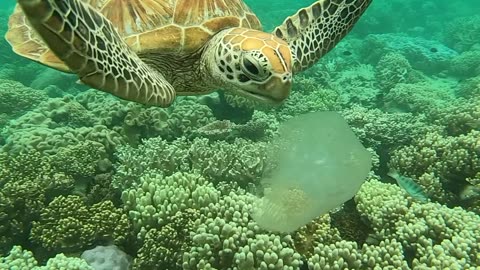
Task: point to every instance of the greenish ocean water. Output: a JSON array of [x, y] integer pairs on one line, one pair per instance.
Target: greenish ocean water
[[388, 177]]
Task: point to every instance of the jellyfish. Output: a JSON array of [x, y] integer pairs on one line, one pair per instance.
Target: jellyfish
[[321, 164]]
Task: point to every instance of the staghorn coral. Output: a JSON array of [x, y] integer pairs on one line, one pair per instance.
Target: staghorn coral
[[68, 225]]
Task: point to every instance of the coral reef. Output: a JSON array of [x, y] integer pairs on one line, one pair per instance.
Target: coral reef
[[19, 258], [436, 236], [428, 56], [452, 161], [174, 188], [463, 33], [66, 224], [241, 161], [16, 99]]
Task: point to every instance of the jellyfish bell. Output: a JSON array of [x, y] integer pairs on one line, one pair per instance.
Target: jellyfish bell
[[321, 165]]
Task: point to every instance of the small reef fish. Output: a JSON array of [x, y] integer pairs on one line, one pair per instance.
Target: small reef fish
[[409, 185]]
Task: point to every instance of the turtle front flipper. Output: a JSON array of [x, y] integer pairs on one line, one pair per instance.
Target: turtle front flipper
[[91, 47], [315, 30]]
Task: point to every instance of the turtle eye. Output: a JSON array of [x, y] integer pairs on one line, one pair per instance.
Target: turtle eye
[[251, 67]]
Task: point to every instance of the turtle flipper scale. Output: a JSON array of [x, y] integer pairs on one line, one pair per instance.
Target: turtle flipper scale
[[313, 31], [91, 47]]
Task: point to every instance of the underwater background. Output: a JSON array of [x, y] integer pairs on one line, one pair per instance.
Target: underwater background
[[173, 188]]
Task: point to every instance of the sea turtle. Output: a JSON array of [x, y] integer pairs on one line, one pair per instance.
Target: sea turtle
[[150, 50]]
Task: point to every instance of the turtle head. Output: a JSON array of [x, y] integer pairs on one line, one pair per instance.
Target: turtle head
[[251, 63]]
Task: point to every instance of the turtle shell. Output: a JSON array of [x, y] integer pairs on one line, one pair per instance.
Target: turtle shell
[[164, 26]]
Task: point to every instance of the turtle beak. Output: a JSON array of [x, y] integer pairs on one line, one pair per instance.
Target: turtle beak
[[277, 88], [272, 91]]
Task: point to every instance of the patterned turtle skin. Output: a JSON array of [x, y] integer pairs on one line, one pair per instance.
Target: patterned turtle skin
[[149, 51]]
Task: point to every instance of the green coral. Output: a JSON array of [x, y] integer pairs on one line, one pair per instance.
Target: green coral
[[439, 237], [66, 112], [383, 130], [426, 97], [242, 161], [28, 181], [227, 237], [21, 259], [459, 117], [469, 88], [454, 159], [81, 160], [16, 98], [35, 133], [392, 69], [67, 224], [466, 65], [163, 248], [156, 199], [313, 98], [463, 33]]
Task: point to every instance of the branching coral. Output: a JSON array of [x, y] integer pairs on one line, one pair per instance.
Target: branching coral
[[19, 258], [437, 236], [425, 97], [229, 238], [27, 180], [426, 55], [318, 99], [16, 98], [393, 68], [156, 199], [466, 64], [319, 231], [459, 117], [241, 161], [35, 131], [463, 32], [455, 160], [163, 248], [469, 88], [380, 129], [68, 225], [346, 255], [66, 112]]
